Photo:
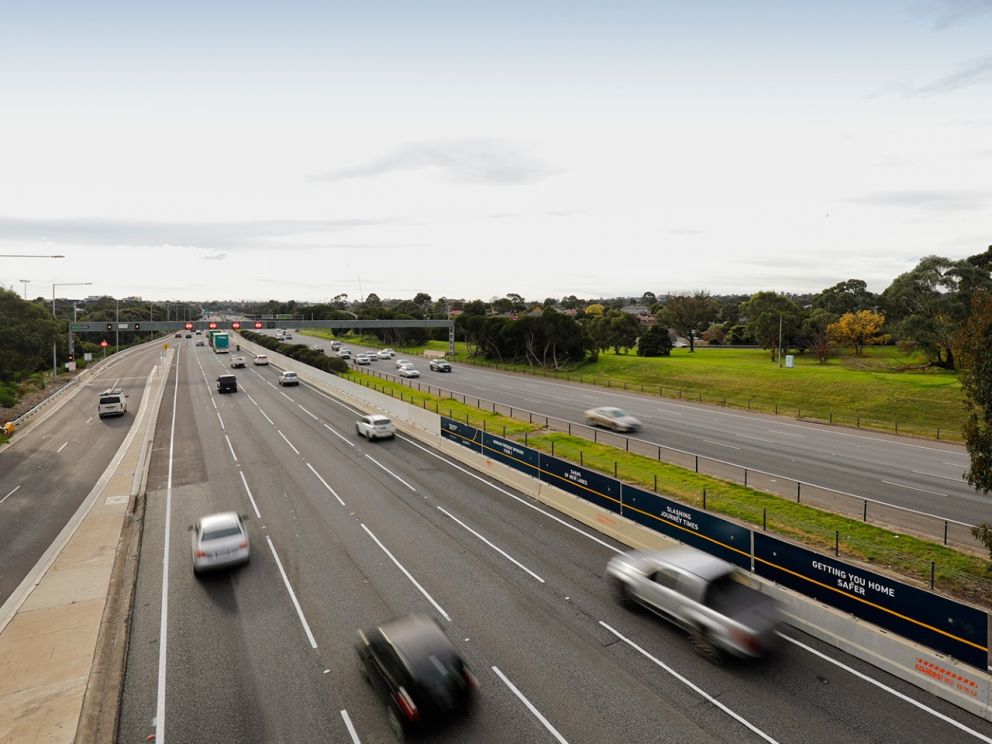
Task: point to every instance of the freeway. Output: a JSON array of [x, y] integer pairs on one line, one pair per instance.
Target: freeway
[[917, 474], [48, 470], [348, 534]]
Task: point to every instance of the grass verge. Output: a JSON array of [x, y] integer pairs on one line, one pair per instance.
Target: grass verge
[[955, 573]]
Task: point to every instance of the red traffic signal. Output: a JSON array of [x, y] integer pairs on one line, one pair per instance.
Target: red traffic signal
[[188, 326], [211, 325], [104, 344], [235, 325], [259, 324]]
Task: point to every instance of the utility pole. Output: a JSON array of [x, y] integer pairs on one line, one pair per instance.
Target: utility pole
[[25, 282], [780, 339]]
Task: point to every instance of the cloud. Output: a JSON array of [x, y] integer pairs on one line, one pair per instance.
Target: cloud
[[215, 257], [937, 201], [952, 12], [210, 235], [479, 161], [977, 72]]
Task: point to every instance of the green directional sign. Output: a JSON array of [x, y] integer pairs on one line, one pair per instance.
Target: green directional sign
[[77, 327]]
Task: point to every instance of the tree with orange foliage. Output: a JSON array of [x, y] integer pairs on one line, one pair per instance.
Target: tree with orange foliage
[[860, 329]]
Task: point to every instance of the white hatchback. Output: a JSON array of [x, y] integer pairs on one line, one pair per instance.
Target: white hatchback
[[220, 540], [374, 427], [261, 359]]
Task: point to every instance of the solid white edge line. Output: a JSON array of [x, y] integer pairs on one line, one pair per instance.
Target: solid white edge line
[[886, 688], [499, 550], [61, 448], [9, 494], [250, 497], [391, 473], [407, 574], [279, 432], [538, 509], [530, 706], [339, 436], [326, 485], [266, 417], [222, 427], [690, 684], [163, 630], [231, 447], [350, 727], [292, 594]]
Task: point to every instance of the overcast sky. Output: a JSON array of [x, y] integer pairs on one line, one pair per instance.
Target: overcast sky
[[298, 150]]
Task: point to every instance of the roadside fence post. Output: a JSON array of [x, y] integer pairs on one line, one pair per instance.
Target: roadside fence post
[[704, 499], [697, 463], [764, 519], [866, 511], [945, 532], [614, 468], [569, 428], [859, 422], [483, 424], [525, 438], [552, 447], [938, 433], [776, 409], [933, 570], [656, 483], [831, 417], [745, 477], [897, 427], [799, 489], [626, 443], [837, 544], [582, 459]]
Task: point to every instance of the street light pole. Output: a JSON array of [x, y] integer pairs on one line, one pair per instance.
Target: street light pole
[[25, 282]]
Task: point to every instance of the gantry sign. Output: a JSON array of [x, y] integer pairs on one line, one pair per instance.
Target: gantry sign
[[256, 325]]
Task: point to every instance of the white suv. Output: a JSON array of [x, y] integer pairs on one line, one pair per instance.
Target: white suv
[[113, 402], [374, 427]]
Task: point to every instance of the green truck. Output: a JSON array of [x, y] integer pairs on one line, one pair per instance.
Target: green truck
[[220, 341]]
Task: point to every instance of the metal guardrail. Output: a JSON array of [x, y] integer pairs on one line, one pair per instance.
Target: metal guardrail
[[950, 532]]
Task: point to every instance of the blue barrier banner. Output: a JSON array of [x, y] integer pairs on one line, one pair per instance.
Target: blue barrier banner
[[940, 623], [464, 434], [694, 527], [511, 453], [587, 484]]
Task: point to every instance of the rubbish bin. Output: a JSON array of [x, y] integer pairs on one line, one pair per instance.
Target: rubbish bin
[[789, 361]]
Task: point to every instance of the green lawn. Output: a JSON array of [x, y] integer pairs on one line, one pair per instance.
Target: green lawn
[[884, 389]]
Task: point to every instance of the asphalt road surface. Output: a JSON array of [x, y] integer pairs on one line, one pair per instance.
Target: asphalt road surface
[[348, 534], [46, 475], [922, 475]]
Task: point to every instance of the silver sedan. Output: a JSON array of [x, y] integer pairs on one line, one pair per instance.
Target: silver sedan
[[612, 418], [219, 540]]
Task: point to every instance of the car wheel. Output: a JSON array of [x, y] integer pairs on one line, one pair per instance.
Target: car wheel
[[395, 724], [363, 667], [704, 646], [620, 592]]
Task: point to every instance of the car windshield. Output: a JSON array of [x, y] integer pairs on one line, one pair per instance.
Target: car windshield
[[615, 412], [220, 532]]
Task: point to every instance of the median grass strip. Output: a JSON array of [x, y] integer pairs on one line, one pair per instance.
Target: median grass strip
[[956, 573], [480, 419]]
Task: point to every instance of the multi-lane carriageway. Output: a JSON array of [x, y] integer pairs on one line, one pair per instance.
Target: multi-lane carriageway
[[347, 534]]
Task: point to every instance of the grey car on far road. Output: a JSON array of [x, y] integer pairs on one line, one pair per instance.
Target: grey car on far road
[[613, 418]]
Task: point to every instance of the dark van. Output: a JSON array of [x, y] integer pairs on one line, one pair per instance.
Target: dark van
[[227, 384]]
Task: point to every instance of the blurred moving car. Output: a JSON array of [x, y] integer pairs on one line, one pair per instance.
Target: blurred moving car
[[374, 427], [616, 419], [385, 354], [408, 371], [709, 598], [261, 359], [362, 359], [199, 342], [417, 672], [318, 347], [227, 384], [440, 365], [189, 335], [289, 378], [344, 353], [335, 345], [403, 363], [220, 540], [237, 362]]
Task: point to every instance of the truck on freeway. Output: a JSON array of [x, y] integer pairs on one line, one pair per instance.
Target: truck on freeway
[[221, 343], [708, 598]]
